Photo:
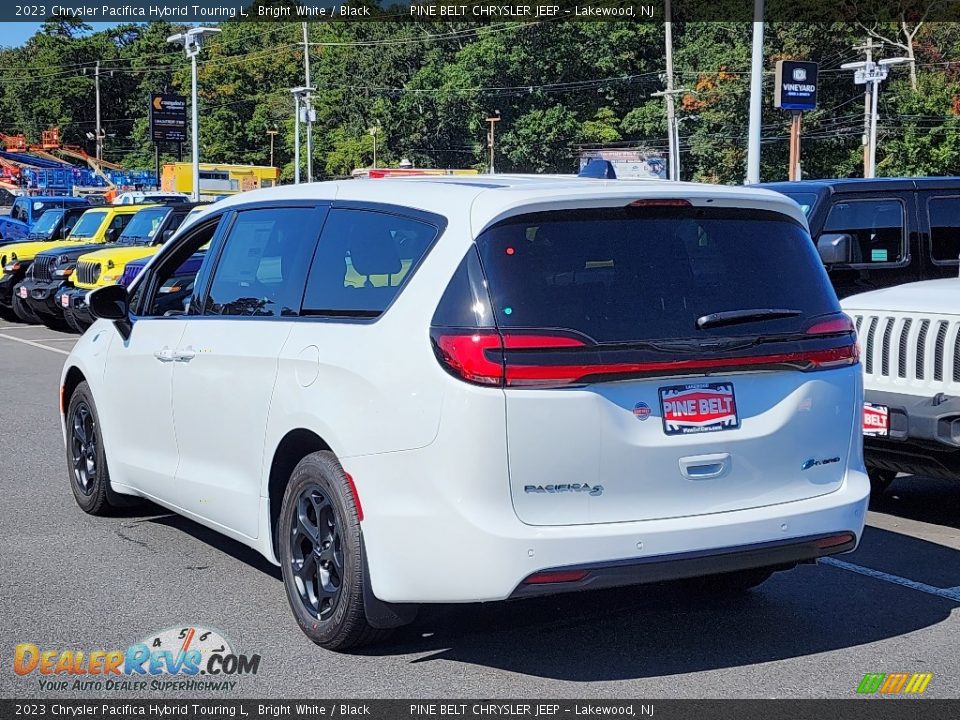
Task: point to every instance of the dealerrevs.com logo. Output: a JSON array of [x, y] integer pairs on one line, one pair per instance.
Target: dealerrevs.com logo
[[184, 658]]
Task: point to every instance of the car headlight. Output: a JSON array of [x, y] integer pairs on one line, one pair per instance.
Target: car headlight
[[96, 272]]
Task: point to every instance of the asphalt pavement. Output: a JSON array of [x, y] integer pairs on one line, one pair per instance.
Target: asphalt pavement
[[75, 582]]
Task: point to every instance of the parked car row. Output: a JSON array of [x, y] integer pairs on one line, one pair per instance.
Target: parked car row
[[71, 251]]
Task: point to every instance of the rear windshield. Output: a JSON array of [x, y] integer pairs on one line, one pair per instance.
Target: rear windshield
[[624, 275]]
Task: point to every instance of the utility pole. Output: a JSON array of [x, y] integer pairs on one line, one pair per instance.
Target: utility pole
[[872, 74], [756, 95], [373, 134], [296, 138], [491, 137], [272, 132], [308, 103], [673, 138], [867, 109]]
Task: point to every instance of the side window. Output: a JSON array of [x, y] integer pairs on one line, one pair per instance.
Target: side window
[[19, 211], [876, 227], [363, 260], [944, 214], [69, 221], [264, 261], [118, 223], [172, 288]]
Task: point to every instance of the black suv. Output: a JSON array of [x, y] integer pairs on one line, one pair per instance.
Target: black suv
[[872, 233]]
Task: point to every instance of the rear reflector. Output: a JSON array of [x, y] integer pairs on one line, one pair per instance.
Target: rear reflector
[[834, 540], [356, 496], [557, 576]]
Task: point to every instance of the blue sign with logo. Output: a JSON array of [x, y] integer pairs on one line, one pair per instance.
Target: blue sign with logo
[[796, 85]]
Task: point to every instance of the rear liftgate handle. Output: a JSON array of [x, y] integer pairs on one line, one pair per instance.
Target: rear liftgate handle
[[705, 467]]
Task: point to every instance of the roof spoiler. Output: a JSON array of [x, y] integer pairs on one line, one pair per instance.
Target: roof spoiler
[[598, 169]]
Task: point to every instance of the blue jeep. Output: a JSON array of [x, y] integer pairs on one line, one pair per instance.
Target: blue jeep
[[27, 210]]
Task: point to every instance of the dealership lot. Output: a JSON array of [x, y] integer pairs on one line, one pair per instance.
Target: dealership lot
[[76, 582]]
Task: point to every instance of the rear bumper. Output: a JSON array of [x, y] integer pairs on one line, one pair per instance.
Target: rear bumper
[[924, 435], [783, 554], [435, 536]]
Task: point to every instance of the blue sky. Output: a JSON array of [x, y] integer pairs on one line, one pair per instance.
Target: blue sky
[[14, 34]]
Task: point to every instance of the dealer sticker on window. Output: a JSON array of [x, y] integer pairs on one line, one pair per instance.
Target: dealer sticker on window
[[698, 408], [876, 420]]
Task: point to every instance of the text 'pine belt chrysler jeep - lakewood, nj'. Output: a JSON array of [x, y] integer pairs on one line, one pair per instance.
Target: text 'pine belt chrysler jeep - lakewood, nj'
[[436, 390]]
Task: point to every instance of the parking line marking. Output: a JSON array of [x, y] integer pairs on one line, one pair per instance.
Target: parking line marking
[[34, 344], [946, 593]]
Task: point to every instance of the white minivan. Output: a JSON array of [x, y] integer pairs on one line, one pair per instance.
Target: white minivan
[[449, 390]]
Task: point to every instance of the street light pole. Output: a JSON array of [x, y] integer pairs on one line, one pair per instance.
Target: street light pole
[[301, 102], [296, 139], [99, 130], [308, 103], [373, 134], [192, 41], [756, 95]]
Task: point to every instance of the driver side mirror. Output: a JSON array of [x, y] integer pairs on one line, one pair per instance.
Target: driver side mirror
[[167, 234], [110, 235], [835, 248], [112, 303]]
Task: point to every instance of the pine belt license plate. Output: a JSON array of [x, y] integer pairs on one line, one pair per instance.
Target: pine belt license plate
[[876, 420], [698, 408]]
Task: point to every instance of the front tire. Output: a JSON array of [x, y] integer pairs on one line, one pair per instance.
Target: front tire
[[23, 311], [86, 460], [321, 555]]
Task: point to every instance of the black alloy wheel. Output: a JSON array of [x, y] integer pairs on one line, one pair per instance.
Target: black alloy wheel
[[83, 448], [316, 552]]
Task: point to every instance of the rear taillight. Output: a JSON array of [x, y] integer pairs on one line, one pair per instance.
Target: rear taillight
[[484, 357], [846, 354]]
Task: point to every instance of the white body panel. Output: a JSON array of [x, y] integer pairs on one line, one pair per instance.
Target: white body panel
[[436, 461]]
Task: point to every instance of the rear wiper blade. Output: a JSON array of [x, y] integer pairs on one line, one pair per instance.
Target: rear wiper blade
[[734, 317]]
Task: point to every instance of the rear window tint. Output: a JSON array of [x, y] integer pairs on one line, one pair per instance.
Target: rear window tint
[[632, 274]]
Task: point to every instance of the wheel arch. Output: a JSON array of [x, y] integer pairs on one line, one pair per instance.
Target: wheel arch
[[71, 379], [292, 448]]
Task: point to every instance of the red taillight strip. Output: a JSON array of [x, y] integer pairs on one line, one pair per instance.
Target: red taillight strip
[[834, 541], [817, 359]]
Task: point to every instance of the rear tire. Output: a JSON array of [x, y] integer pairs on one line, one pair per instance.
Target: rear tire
[[6, 313], [732, 583], [880, 481], [321, 555], [86, 460], [23, 311]]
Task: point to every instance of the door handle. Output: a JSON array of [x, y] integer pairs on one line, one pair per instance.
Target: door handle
[[164, 355], [185, 354], [705, 467]]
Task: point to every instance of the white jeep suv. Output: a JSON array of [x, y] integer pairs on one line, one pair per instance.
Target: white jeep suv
[[910, 342], [447, 390]]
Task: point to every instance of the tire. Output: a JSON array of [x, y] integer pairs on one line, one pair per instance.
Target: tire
[[732, 583], [880, 480], [23, 311], [322, 556], [86, 464], [72, 323], [6, 313], [55, 323]]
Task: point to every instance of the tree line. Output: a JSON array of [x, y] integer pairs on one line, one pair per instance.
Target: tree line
[[426, 88]]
